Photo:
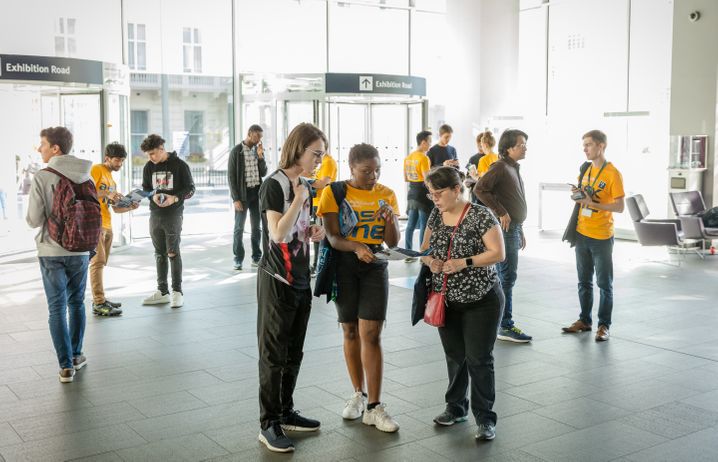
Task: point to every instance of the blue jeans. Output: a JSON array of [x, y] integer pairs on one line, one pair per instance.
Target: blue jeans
[[595, 254], [507, 270], [416, 216], [64, 279]]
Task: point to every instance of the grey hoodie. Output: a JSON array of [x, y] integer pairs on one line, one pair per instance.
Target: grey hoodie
[[40, 203]]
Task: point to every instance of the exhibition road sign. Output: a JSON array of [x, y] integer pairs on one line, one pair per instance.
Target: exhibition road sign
[[375, 83], [51, 69]]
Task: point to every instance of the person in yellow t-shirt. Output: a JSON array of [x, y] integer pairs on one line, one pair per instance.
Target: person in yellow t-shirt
[[416, 166], [602, 187], [362, 280], [101, 174], [325, 174], [487, 145]]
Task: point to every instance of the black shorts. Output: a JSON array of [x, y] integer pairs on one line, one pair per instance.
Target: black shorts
[[362, 289]]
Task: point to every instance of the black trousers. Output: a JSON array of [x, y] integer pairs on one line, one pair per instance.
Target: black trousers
[[468, 339], [165, 231], [282, 318], [251, 207]]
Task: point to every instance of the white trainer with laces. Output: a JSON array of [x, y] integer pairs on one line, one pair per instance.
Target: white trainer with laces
[[355, 406], [156, 299], [177, 300], [379, 418]]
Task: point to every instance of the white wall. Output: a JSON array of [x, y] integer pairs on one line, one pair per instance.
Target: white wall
[[693, 86], [29, 28]]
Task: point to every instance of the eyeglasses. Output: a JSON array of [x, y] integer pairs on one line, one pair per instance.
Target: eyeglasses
[[436, 194], [317, 153]]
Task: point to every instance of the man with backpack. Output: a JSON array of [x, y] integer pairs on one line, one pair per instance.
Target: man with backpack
[[63, 204]]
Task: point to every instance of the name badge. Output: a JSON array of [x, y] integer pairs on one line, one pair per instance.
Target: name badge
[[586, 212]]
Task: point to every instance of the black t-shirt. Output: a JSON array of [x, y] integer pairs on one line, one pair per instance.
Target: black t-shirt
[[290, 257], [438, 154], [172, 176]]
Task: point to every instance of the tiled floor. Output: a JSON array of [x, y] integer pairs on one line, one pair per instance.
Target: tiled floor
[[175, 385]]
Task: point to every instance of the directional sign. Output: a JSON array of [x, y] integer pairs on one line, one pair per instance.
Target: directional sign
[[375, 83], [48, 68]]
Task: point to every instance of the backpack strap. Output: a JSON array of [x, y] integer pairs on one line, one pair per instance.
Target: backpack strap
[[52, 170], [584, 167], [339, 190]]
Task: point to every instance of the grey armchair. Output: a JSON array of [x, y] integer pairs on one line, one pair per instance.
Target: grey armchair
[[638, 210], [687, 203], [693, 229], [653, 233]]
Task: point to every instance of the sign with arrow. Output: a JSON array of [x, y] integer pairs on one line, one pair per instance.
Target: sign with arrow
[[375, 83]]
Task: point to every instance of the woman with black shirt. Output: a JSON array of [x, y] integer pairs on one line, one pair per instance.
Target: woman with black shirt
[[284, 298], [362, 280], [473, 294]]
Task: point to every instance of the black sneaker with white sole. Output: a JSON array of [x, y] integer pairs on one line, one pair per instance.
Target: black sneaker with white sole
[[293, 422], [115, 304], [275, 439], [447, 419], [105, 309]]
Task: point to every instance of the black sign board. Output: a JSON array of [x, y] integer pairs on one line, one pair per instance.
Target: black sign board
[[375, 84], [47, 68]]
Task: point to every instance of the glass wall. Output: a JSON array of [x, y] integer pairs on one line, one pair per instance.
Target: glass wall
[[180, 55]]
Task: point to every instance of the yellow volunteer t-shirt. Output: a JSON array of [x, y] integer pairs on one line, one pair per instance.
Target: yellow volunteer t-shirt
[[486, 161], [369, 230], [608, 187], [328, 167], [102, 177], [416, 166]]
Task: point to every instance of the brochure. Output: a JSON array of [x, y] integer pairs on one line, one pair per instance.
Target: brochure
[[397, 253], [135, 196]]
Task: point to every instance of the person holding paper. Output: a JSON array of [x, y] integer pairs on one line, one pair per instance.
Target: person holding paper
[[362, 280], [115, 155], [284, 296]]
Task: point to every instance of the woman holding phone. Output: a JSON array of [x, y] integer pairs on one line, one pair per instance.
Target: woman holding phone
[[363, 281]]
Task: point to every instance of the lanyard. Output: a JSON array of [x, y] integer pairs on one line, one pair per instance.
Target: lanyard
[[599, 173]]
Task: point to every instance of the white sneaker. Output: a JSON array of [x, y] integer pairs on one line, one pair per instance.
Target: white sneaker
[[380, 419], [156, 299], [177, 300], [355, 406]]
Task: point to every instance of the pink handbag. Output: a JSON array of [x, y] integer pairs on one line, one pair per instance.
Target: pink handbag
[[435, 312]]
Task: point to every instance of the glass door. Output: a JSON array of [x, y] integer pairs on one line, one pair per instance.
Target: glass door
[[81, 115], [348, 125], [389, 136]]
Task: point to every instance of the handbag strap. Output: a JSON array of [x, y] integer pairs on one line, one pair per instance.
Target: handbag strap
[[451, 242]]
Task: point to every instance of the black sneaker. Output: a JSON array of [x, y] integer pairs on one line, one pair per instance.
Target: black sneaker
[[105, 309], [114, 304], [238, 266], [275, 439], [447, 418], [294, 422], [486, 432]]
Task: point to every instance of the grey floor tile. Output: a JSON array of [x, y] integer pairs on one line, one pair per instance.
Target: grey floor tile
[[696, 447], [552, 391], [188, 448], [48, 425], [640, 396], [104, 457], [673, 420], [170, 403], [73, 445], [708, 400], [599, 443], [8, 436], [403, 453], [582, 412]]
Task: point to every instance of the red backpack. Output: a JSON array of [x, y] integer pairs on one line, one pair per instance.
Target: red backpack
[[75, 221]]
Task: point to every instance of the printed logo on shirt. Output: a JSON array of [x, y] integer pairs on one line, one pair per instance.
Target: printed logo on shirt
[[162, 180], [602, 185]]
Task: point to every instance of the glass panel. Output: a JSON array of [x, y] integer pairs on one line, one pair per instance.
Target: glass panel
[[81, 115], [71, 26], [61, 25], [388, 129], [304, 21], [130, 31], [347, 128], [431, 5], [71, 46], [298, 112], [141, 56], [177, 78], [197, 59], [352, 48], [60, 45]]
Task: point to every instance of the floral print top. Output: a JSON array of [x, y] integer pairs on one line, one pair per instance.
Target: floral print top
[[472, 283]]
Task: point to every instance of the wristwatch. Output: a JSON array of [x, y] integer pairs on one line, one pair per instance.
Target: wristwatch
[[469, 262]]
